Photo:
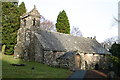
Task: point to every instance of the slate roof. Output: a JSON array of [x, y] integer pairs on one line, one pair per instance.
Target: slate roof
[[55, 41], [67, 55]]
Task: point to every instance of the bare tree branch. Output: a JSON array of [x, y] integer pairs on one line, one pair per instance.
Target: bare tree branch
[[47, 24], [76, 32]]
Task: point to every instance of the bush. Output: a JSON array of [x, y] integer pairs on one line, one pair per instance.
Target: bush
[[9, 49], [116, 64]]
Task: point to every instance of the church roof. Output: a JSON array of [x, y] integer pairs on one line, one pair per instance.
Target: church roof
[[54, 41]]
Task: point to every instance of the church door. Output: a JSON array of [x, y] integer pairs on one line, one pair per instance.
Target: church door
[[77, 61]]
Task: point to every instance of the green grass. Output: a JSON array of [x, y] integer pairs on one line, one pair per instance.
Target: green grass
[[40, 71]]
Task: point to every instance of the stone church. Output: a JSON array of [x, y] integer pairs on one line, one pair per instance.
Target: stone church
[[57, 49]]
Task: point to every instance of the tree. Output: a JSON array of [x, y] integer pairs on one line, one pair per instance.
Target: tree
[[115, 50], [76, 32], [62, 24], [47, 24], [109, 42], [115, 58], [22, 8], [10, 25]]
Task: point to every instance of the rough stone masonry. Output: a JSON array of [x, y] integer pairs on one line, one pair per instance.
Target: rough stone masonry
[[57, 49]]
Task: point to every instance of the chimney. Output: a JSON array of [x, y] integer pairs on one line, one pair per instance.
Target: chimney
[[94, 37]]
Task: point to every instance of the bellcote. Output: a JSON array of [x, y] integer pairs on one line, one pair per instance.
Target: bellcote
[[31, 18]]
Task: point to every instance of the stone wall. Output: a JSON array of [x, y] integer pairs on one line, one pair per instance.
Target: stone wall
[[39, 53], [20, 46], [25, 47], [71, 63], [28, 50], [92, 59], [50, 58], [88, 61]]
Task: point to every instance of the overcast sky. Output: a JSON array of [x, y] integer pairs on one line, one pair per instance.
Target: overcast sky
[[93, 17]]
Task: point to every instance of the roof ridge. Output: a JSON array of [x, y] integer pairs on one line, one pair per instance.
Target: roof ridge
[[68, 35]]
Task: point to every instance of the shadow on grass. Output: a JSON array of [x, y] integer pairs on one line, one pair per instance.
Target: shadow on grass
[[31, 70]]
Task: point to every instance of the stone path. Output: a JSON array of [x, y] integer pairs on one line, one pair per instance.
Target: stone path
[[87, 74], [78, 75]]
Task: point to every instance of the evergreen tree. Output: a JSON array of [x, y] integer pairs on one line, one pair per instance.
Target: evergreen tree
[[115, 59], [10, 24], [115, 50], [62, 24], [22, 8]]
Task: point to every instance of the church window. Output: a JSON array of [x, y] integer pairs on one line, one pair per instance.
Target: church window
[[34, 22]]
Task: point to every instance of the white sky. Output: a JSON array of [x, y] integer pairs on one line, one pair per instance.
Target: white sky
[[93, 17]]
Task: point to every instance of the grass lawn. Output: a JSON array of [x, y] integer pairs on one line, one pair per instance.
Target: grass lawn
[[40, 71]]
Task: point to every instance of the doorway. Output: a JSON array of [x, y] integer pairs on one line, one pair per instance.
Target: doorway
[[77, 61]]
